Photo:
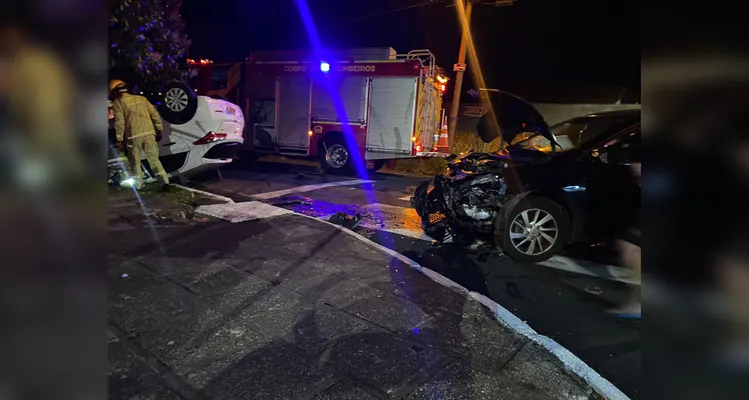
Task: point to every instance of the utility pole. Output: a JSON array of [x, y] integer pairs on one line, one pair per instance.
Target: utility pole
[[452, 120], [466, 41]]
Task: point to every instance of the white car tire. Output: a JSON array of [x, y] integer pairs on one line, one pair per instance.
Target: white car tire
[[179, 103]]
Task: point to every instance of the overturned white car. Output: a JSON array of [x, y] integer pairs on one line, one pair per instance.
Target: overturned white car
[[200, 133]]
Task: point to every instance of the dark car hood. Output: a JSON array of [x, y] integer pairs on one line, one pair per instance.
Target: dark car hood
[[477, 162], [509, 115]]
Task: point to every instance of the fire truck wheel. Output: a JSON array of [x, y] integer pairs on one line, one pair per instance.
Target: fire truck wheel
[[179, 104], [335, 157]]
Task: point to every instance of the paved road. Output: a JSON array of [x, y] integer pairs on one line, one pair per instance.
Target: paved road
[[565, 298]]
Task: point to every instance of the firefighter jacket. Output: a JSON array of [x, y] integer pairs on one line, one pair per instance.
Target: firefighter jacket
[[134, 116]]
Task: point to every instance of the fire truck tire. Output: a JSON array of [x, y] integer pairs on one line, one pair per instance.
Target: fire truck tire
[[179, 103], [334, 156]]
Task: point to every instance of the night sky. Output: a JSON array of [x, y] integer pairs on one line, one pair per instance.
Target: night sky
[[534, 42]]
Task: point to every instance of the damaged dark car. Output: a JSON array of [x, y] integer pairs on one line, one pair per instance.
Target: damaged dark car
[[549, 186]]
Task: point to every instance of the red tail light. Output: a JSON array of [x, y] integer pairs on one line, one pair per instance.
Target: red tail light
[[211, 137]]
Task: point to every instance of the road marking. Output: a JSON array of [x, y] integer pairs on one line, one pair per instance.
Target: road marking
[[407, 198], [307, 188], [241, 212], [609, 272], [603, 271]]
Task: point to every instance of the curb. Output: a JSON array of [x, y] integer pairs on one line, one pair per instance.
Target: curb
[[573, 364], [204, 193]]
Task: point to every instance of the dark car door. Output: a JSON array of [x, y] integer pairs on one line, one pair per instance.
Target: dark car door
[[612, 189]]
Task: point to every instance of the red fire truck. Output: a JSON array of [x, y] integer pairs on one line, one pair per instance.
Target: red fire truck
[[381, 106]]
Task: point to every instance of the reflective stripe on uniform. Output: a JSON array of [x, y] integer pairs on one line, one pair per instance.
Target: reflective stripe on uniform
[[142, 134]]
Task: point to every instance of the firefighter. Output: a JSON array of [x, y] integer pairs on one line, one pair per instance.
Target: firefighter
[[137, 123]]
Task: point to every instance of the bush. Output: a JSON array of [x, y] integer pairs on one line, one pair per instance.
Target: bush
[[464, 141]]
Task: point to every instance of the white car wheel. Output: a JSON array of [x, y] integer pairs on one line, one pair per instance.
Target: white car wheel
[[179, 104], [176, 99]]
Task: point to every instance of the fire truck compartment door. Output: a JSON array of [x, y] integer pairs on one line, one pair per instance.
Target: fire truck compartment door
[[392, 108], [264, 129], [293, 115], [351, 91]]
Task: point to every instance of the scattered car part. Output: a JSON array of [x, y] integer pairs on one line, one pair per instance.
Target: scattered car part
[[345, 220], [292, 201]]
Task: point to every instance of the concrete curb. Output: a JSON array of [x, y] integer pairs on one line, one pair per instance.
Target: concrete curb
[[204, 193], [571, 362]]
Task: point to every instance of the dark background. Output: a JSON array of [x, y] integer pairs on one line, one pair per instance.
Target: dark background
[[560, 46]]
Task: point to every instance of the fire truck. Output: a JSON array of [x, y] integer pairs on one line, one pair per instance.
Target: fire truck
[[372, 103]]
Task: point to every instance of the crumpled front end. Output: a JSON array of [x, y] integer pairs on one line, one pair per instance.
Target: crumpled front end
[[462, 204], [429, 203]]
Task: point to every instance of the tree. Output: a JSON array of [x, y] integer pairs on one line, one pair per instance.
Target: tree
[[147, 42]]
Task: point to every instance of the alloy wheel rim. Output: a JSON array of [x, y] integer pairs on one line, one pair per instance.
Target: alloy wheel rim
[[336, 156], [176, 99], [533, 232]]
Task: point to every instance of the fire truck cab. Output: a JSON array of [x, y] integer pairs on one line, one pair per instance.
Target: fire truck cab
[[366, 104]]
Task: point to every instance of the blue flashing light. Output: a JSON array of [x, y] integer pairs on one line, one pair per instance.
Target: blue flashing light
[[324, 67]]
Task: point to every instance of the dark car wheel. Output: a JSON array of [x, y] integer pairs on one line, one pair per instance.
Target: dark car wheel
[[335, 157], [534, 231], [179, 103]]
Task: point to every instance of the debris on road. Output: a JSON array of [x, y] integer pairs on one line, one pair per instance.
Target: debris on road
[[345, 220], [286, 202]]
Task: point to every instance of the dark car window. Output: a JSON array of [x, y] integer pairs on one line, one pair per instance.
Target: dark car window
[[574, 133], [624, 149], [583, 130]]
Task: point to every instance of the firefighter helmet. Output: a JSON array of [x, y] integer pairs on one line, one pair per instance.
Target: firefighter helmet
[[116, 84]]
